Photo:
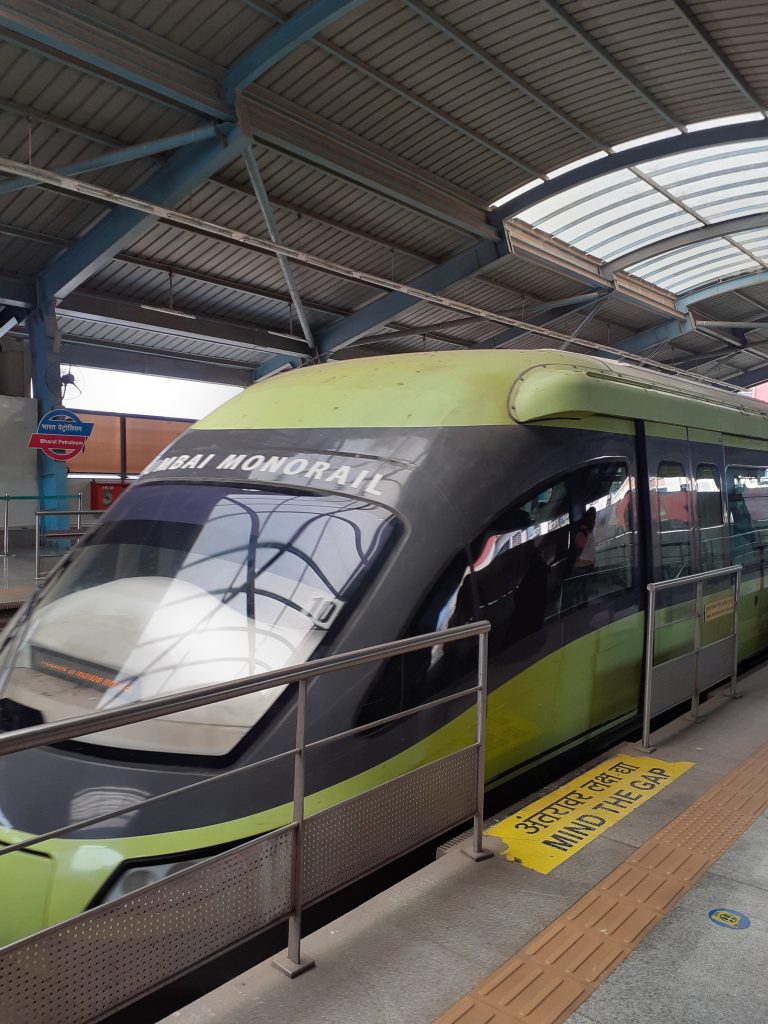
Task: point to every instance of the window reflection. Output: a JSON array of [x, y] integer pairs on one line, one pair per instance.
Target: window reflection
[[709, 504], [673, 520], [185, 586], [748, 515]]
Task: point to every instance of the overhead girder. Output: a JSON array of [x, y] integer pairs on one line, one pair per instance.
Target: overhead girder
[[308, 20], [668, 330], [750, 378], [66, 33], [111, 310], [185, 171], [121, 156]]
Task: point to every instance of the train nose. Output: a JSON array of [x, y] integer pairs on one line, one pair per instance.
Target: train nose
[[25, 883]]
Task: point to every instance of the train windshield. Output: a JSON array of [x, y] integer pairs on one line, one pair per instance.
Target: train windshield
[[183, 586]]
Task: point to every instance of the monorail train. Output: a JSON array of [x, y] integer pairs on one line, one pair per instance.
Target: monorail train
[[344, 505]]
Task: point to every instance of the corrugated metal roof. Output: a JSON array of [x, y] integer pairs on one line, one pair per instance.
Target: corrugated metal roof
[[468, 98]]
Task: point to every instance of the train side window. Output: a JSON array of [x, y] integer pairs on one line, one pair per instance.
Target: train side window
[[602, 492], [709, 505], [563, 548], [411, 679], [747, 514], [673, 518]]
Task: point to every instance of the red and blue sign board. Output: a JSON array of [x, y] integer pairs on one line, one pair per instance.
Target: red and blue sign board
[[61, 435]]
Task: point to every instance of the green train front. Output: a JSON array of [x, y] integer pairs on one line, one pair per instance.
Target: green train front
[[324, 510]]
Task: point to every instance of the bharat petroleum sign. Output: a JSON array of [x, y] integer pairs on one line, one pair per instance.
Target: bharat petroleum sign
[[61, 435]]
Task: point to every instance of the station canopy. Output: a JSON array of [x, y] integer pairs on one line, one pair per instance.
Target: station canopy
[[225, 189]]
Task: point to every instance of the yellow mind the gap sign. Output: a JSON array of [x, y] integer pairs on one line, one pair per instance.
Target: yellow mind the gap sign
[[552, 829]]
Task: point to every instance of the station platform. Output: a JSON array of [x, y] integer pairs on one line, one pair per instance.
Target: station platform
[[661, 917]]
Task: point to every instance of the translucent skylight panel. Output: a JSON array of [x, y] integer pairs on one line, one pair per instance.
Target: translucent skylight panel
[[755, 241], [715, 122], [701, 184], [620, 212], [684, 281], [724, 208], [649, 204], [716, 158], [693, 266], [645, 139], [622, 243], [547, 208], [712, 246]]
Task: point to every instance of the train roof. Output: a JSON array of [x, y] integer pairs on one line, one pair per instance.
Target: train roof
[[485, 388]]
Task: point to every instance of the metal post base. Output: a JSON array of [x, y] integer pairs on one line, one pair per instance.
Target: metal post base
[[287, 966], [477, 854], [735, 696], [646, 750]]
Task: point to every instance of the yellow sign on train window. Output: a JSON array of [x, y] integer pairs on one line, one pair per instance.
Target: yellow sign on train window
[[552, 829]]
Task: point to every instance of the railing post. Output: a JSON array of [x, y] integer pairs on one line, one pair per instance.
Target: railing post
[[735, 667], [79, 508], [477, 852], [5, 524], [291, 963], [650, 639], [38, 522], [697, 652]]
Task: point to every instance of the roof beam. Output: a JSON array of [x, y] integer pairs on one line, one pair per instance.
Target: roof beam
[[17, 291], [308, 20], [588, 271], [726, 64], [109, 310], [751, 378], [720, 135], [464, 265], [683, 238], [107, 355], [494, 251], [56, 241], [68, 33], [125, 155], [185, 171], [577, 29]]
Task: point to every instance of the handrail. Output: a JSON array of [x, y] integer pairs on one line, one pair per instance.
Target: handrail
[[696, 577], [299, 675], [8, 498], [697, 580], [77, 532], [100, 721]]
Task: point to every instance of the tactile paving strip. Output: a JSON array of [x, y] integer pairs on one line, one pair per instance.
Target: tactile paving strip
[[547, 980]]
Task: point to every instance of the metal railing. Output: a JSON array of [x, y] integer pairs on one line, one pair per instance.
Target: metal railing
[[220, 901], [71, 534], [683, 676], [8, 498]]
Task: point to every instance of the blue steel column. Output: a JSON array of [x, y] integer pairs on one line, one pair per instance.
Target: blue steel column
[[44, 345]]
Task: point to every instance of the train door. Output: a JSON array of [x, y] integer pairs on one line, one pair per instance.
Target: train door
[[671, 502], [746, 488], [709, 504]]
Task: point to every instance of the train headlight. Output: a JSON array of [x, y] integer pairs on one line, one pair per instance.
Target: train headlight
[[132, 879]]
